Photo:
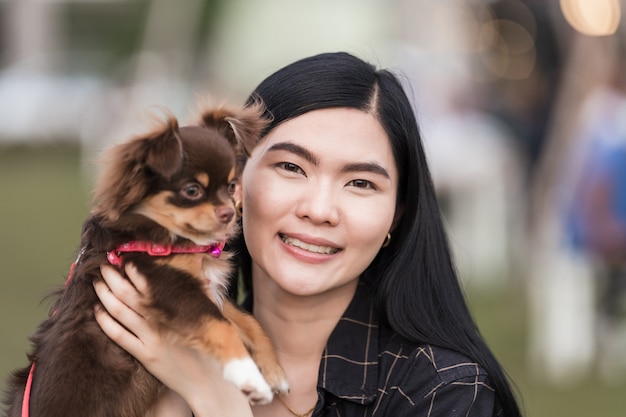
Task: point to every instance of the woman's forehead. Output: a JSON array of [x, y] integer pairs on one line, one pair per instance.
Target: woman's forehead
[[335, 127]]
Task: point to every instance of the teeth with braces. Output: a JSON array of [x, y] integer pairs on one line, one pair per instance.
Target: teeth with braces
[[326, 250]]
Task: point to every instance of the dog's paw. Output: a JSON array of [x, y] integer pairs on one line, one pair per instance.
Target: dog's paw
[[248, 379], [276, 378]]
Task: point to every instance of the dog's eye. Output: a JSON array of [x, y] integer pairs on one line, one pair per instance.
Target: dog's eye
[[232, 186], [192, 191]]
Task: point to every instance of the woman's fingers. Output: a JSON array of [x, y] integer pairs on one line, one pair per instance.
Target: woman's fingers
[[139, 281], [125, 320], [110, 326], [123, 289]]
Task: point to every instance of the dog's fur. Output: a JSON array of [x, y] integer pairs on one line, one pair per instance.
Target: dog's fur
[[172, 185]]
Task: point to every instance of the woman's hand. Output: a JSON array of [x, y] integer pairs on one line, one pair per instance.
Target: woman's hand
[[195, 376], [170, 404]]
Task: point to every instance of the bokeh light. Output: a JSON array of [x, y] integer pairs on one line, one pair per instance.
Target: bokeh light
[[592, 17]]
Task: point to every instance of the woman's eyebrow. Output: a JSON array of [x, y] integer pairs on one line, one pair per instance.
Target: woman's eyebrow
[[295, 149], [304, 153], [366, 167]]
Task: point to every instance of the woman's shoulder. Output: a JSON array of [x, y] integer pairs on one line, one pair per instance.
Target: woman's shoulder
[[443, 364], [426, 368], [425, 376]]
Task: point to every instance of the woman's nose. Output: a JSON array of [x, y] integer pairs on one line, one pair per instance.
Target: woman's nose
[[319, 204]]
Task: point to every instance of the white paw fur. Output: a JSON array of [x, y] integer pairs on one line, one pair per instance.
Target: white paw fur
[[246, 376], [283, 386]]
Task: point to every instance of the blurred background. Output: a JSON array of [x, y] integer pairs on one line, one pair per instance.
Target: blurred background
[[522, 106]]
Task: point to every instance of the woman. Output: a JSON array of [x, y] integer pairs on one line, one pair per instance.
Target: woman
[[345, 262]]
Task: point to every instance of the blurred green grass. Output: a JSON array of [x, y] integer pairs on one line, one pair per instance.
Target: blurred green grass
[[44, 197], [43, 202]]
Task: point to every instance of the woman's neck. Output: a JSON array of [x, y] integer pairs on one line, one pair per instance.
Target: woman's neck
[[299, 326]]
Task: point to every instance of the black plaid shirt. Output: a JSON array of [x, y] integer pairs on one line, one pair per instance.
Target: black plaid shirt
[[368, 370]]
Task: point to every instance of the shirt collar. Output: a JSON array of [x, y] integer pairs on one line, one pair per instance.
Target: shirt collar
[[349, 365]]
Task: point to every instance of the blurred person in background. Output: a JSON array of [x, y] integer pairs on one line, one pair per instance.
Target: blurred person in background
[[345, 262], [598, 212]]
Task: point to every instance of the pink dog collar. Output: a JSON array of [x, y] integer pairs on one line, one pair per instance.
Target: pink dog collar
[[115, 256]]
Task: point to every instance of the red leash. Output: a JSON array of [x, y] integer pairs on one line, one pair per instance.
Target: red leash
[[26, 399], [115, 258]]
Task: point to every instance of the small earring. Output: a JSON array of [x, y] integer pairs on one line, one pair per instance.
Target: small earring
[[239, 208], [387, 240]]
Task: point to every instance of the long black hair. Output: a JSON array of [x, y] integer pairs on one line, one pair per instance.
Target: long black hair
[[414, 278]]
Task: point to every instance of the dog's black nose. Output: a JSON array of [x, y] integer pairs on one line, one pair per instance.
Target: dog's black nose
[[224, 214]]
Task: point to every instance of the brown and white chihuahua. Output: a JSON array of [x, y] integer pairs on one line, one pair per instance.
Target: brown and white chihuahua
[[164, 202]]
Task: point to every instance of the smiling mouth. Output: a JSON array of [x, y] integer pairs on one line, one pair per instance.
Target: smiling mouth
[[325, 250]]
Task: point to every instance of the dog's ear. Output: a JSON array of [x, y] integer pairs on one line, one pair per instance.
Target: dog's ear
[[164, 151], [242, 127], [128, 167]]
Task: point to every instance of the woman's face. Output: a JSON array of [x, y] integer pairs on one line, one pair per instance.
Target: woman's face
[[319, 196]]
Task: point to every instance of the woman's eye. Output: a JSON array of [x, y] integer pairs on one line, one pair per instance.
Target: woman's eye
[[362, 184], [291, 167], [192, 191]]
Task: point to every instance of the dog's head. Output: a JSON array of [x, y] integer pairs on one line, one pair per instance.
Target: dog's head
[[182, 178]]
